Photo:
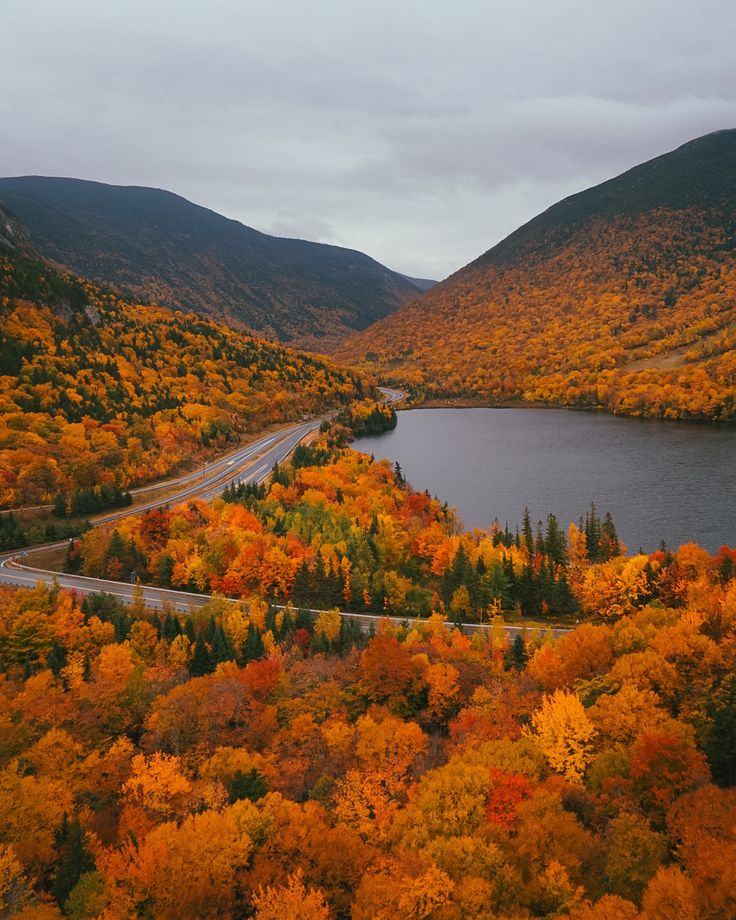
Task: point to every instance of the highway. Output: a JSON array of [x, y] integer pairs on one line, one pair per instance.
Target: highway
[[252, 463], [391, 395]]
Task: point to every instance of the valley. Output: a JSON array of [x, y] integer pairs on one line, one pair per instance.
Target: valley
[[277, 677]]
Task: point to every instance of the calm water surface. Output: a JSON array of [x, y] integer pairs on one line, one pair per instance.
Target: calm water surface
[[660, 480]]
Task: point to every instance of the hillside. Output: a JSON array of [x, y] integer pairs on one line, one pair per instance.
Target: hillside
[[159, 247], [98, 390], [620, 297]]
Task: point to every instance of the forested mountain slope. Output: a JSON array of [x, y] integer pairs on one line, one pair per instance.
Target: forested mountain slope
[[99, 390], [619, 297], [159, 247]]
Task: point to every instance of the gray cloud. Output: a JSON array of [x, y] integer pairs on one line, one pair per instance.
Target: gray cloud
[[419, 132]]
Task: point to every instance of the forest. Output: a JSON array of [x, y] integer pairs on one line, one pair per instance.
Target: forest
[[534, 725], [618, 298], [101, 393], [246, 762], [249, 760], [626, 319], [337, 528]]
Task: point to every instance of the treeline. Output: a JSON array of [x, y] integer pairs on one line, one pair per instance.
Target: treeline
[[33, 529], [368, 417], [90, 501], [340, 529], [628, 313]]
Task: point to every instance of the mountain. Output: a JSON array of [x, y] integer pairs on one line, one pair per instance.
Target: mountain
[[98, 391], [159, 247], [423, 284], [620, 297]]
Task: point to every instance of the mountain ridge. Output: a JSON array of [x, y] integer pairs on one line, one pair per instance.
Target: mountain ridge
[[626, 274], [160, 247]]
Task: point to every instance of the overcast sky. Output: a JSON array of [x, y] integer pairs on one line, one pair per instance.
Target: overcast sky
[[419, 132]]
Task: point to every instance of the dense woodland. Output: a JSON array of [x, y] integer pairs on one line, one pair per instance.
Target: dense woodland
[[101, 393], [247, 762], [621, 298]]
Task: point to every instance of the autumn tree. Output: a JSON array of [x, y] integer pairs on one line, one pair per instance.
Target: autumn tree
[[564, 733]]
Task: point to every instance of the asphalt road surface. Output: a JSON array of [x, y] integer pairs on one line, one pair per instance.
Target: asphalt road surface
[[248, 464]]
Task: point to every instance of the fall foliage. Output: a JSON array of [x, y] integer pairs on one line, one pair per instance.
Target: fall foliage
[[101, 393], [620, 297], [248, 760]]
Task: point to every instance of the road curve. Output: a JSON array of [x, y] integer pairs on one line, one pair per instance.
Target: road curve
[[248, 464]]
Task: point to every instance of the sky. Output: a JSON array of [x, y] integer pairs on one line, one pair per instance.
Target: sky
[[421, 133]]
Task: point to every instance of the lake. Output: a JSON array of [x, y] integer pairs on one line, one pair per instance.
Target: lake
[[670, 481]]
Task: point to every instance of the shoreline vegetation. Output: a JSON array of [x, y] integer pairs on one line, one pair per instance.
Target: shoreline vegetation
[[469, 402]]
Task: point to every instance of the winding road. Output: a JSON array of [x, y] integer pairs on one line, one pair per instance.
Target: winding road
[[252, 463]]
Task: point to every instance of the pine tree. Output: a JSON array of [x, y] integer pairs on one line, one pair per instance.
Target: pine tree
[[56, 659], [554, 541], [165, 570], [527, 535], [210, 630], [593, 534], [253, 648], [73, 861], [609, 538], [720, 745], [222, 647], [201, 662], [517, 654], [250, 785]]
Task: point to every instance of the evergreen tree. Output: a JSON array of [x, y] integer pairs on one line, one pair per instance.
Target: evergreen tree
[[165, 570], [56, 659], [593, 532], [210, 630], [59, 509], [253, 648], [527, 535], [73, 861], [517, 654], [554, 541], [201, 662], [222, 647], [169, 629], [12, 534], [610, 545], [720, 745], [250, 785]]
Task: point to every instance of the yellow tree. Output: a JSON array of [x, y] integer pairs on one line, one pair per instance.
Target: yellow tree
[[292, 901], [186, 870], [563, 732]]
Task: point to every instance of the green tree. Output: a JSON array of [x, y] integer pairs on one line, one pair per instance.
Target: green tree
[[201, 662], [250, 785], [74, 858]]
